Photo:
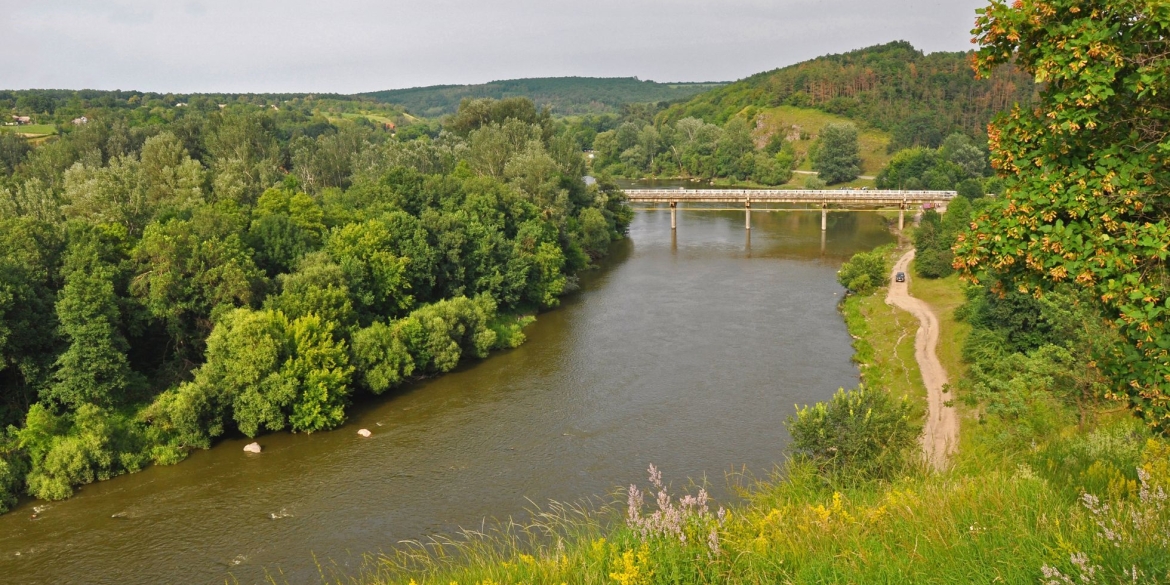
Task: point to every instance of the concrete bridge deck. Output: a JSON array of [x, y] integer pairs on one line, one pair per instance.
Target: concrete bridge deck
[[822, 197]]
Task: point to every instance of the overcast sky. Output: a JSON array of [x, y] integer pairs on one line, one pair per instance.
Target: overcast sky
[[349, 46]]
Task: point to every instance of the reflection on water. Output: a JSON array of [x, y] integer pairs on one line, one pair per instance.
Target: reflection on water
[[687, 350]]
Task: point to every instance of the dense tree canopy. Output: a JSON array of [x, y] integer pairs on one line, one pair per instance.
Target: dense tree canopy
[[692, 148], [1086, 172], [166, 279], [918, 97]]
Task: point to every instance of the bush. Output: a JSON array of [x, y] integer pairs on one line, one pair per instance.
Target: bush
[[864, 272], [75, 449], [431, 340], [863, 433], [814, 182], [13, 467]]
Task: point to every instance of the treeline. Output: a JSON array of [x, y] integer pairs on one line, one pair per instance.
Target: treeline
[[49, 105], [565, 96], [919, 98], [251, 269], [693, 148], [957, 165]]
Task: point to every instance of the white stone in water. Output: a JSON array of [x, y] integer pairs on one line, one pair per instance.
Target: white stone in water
[[364, 432], [252, 447]]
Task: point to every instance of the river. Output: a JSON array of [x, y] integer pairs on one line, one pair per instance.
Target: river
[[686, 351]]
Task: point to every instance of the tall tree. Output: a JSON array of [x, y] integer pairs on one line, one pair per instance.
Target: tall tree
[[1086, 171], [838, 153]]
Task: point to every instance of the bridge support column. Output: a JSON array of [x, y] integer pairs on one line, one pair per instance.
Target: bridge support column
[[824, 218], [747, 215], [902, 216], [673, 215]]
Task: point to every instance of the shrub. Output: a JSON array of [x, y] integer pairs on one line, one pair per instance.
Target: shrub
[[863, 432], [13, 467], [864, 272]]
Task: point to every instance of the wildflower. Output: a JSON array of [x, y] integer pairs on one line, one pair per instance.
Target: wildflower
[[713, 542]]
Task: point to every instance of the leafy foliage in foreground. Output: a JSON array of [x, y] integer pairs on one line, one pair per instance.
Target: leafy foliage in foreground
[[166, 282], [1086, 173]]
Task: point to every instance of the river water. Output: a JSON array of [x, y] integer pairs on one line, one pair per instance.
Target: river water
[[686, 351]]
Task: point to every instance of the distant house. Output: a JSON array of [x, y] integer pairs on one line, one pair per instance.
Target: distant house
[[80, 121], [22, 120], [181, 105], [390, 126]]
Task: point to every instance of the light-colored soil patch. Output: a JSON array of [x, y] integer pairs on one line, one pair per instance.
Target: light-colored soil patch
[[941, 434]]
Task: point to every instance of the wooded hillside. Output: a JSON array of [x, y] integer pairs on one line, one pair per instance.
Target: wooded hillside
[[920, 98], [565, 95]]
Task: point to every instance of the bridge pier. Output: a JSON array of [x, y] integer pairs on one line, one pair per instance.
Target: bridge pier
[[747, 214], [902, 216], [673, 215], [824, 218]]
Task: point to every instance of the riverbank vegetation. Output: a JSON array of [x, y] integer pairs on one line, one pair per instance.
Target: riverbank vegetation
[[247, 269]]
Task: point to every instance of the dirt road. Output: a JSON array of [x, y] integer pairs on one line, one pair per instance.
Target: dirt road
[[941, 436]]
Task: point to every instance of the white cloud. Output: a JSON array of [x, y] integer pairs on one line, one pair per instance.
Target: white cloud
[[362, 45]]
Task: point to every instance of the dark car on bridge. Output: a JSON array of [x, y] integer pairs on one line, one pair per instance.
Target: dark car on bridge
[[900, 277]]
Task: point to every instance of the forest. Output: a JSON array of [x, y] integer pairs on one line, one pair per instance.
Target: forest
[[172, 274], [565, 96], [919, 98]]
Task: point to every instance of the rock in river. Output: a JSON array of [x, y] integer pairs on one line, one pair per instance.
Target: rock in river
[[364, 432], [252, 447]]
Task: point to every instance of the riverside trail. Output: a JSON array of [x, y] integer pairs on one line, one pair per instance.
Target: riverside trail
[[941, 436]]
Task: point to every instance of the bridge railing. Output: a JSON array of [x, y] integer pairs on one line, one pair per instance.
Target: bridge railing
[[803, 194]]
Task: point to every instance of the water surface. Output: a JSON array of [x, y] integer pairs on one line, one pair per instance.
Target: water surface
[[687, 351]]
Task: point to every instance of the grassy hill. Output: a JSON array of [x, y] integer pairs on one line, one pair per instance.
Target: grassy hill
[[801, 126], [892, 87], [565, 95]]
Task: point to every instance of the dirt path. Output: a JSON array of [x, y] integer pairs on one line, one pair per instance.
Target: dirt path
[[941, 436]]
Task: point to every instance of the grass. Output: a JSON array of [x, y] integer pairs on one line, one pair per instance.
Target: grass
[[945, 295], [1009, 511], [810, 122], [884, 344], [31, 130], [378, 118]]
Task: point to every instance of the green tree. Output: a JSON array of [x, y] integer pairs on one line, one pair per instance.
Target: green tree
[[94, 368], [174, 181], [376, 275], [864, 272], [189, 272], [1083, 199], [30, 256], [838, 154], [269, 372]]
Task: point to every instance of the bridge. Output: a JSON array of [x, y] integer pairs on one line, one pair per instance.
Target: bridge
[[822, 198]]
